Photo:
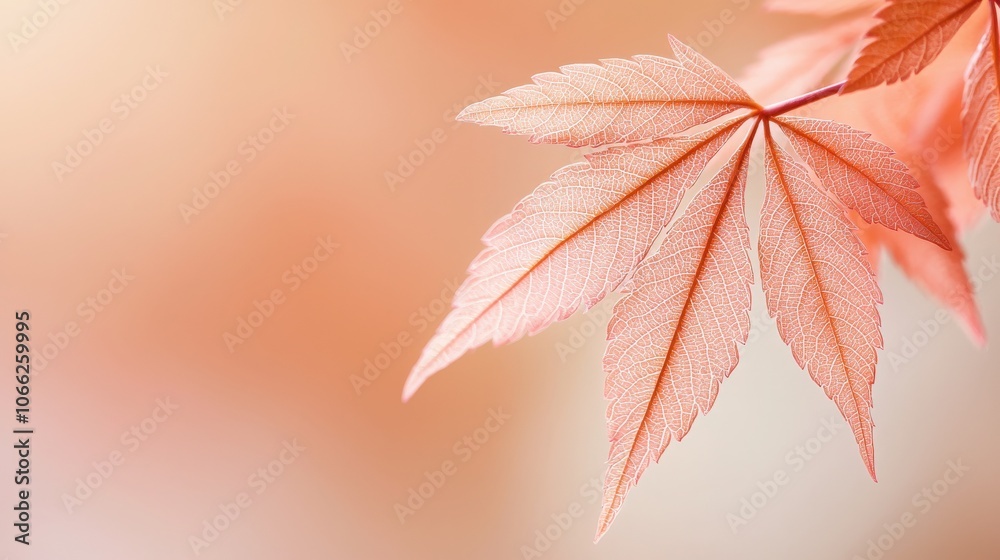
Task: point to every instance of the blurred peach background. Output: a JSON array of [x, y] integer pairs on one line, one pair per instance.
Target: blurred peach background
[[279, 419]]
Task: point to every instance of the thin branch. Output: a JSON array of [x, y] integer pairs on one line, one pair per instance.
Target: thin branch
[[802, 100]]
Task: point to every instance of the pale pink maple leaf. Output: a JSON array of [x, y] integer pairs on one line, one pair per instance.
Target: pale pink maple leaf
[[674, 336]]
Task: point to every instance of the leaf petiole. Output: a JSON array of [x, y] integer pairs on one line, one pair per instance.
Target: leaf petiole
[[802, 100]]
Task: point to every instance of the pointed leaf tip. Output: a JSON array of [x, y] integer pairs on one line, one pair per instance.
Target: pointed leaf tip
[[602, 524], [977, 332], [468, 114], [409, 389]]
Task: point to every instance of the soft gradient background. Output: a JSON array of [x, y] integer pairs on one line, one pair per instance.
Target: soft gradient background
[[323, 175]]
